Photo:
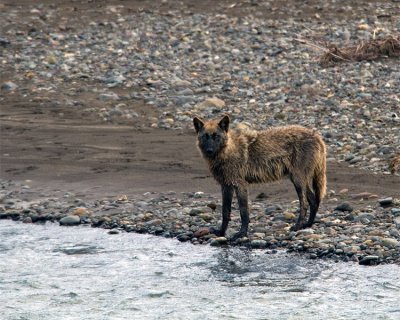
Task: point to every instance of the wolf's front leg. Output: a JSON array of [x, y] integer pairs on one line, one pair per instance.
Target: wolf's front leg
[[242, 196], [227, 195]]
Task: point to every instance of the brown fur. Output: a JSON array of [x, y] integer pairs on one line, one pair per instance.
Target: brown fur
[[394, 164], [242, 157]]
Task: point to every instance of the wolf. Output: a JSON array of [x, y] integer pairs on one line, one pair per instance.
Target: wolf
[[237, 158]]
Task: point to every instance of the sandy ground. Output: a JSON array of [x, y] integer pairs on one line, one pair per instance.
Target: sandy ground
[[62, 149]]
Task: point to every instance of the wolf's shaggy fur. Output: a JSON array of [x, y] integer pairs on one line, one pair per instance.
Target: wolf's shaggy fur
[[239, 158], [394, 164]]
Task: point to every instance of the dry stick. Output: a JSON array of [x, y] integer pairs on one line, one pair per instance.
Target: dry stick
[[321, 48], [373, 49]]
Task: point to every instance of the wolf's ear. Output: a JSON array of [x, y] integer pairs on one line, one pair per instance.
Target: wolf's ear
[[198, 124], [224, 123]]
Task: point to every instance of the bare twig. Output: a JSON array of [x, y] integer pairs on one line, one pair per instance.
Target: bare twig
[[388, 46]]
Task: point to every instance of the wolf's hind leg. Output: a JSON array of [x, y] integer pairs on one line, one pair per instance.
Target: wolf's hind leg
[[301, 193], [314, 205]]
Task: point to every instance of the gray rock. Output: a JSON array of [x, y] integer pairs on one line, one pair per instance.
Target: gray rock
[[9, 86], [349, 157], [258, 244], [344, 207], [108, 96], [368, 260], [70, 221], [210, 103], [185, 236], [355, 160], [220, 241], [186, 92], [182, 99], [195, 212], [390, 243], [396, 221], [273, 208], [366, 215], [4, 42], [394, 233], [386, 201]]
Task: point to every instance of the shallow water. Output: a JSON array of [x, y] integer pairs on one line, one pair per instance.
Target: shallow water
[[52, 272]]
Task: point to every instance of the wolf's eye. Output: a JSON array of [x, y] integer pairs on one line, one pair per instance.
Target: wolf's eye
[[207, 136]]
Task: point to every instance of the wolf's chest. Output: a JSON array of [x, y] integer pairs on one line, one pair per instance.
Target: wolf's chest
[[226, 172]]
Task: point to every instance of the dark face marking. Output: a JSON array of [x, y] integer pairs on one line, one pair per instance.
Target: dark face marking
[[212, 135], [211, 142]]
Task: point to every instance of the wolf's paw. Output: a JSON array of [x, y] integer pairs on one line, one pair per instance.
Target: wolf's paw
[[299, 226], [307, 225], [237, 236], [217, 232], [296, 227]]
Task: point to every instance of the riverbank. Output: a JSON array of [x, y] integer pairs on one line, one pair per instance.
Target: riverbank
[[97, 102], [359, 227]]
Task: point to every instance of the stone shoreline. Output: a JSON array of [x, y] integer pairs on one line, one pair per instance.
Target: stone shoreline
[[368, 235]]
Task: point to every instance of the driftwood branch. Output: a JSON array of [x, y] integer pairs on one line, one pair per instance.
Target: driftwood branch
[[388, 46]]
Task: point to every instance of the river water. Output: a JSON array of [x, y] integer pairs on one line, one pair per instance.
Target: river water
[[52, 272]]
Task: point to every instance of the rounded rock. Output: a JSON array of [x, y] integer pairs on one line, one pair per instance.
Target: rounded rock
[[70, 221]]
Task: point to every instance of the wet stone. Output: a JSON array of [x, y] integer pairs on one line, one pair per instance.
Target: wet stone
[[71, 220], [219, 241], [369, 260], [27, 220], [258, 244], [185, 236], [201, 232]]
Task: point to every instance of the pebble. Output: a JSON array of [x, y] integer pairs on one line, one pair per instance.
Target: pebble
[[9, 86], [390, 243], [344, 207], [71, 220], [386, 201], [219, 241], [369, 260], [27, 220], [210, 103], [201, 232], [108, 96], [258, 244], [272, 208], [80, 211]]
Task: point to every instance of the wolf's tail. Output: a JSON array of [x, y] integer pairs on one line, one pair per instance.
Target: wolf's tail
[[319, 178]]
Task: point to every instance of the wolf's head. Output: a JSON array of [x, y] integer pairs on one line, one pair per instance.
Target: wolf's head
[[212, 135]]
